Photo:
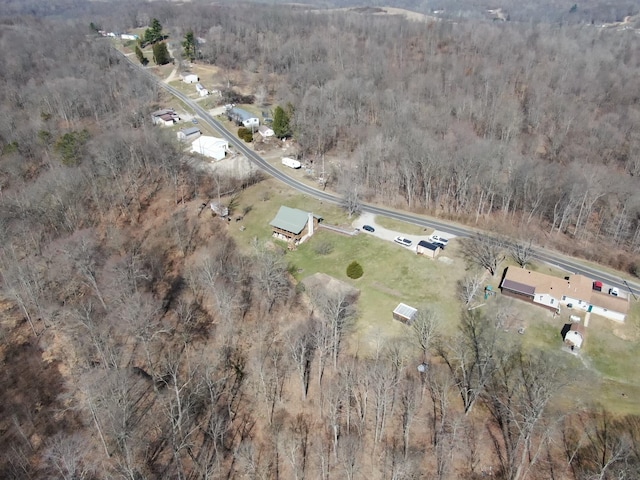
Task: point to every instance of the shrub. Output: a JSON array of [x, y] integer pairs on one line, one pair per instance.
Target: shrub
[[245, 134], [354, 270]]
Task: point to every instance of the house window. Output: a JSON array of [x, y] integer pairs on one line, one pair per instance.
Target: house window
[[564, 297], [552, 300]]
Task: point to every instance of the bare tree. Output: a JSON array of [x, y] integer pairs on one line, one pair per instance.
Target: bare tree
[[485, 251], [425, 328], [522, 251], [469, 287]]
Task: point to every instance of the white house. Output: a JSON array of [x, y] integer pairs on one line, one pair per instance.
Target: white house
[[190, 78], [265, 131], [189, 133], [242, 117], [573, 291], [210, 147], [128, 36]]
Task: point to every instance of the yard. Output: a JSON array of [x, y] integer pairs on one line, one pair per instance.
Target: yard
[[605, 371]]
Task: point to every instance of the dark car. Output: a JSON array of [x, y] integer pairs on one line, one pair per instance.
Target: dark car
[[439, 245], [368, 228]]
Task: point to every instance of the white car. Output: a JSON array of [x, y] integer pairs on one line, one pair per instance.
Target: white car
[[403, 241], [436, 238], [613, 291]]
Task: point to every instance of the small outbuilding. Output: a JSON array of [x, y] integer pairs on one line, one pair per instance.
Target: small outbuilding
[[191, 78], [574, 336], [405, 314], [265, 131], [427, 249], [166, 117], [187, 134]]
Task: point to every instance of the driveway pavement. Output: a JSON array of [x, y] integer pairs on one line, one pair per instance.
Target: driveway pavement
[[367, 218]]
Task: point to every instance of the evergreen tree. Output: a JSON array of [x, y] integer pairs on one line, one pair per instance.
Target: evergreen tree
[[161, 53], [143, 60], [281, 122], [189, 46], [154, 32]]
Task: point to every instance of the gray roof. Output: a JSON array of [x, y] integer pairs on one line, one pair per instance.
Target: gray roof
[[190, 131], [405, 311], [291, 220], [428, 245], [242, 114]]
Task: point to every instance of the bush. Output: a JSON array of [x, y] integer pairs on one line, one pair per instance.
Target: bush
[[354, 270], [245, 134]]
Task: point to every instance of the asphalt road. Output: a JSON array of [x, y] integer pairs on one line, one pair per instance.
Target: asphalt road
[[546, 256]]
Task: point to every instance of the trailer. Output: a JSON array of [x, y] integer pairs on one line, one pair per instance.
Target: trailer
[[291, 162]]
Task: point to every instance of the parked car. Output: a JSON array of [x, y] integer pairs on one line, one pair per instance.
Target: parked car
[[436, 238], [403, 241], [368, 228], [613, 291], [194, 120], [439, 245]]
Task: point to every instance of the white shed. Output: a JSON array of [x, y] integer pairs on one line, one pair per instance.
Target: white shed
[[189, 133], [265, 131], [191, 78], [404, 313], [212, 147]]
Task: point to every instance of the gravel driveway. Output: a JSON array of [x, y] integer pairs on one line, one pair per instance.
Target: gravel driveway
[[389, 235]]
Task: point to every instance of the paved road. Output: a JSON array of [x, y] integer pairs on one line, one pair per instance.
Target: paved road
[[549, 257]]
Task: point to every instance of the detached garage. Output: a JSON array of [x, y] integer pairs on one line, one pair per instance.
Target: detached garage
[[404, 313], [427, 249]]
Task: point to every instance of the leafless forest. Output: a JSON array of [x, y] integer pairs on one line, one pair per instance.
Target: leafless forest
[[139, 342]]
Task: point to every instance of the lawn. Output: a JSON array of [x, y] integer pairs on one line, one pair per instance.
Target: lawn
[[399, 226]]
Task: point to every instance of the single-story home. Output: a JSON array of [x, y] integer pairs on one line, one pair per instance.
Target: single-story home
[[427, 249], [265, 131], [552, 292], [166, 117], [212, 147], [242, 117], [574, 336], [293, 225], [128, 36], [190, 78], [190, 133], [404, 313]]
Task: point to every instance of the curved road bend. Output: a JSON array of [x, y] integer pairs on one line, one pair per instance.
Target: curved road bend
[[551, 258]]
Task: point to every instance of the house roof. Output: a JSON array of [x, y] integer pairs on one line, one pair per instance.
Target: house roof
[[291, 220], [264, 129], [610, 302], [405, 311], [530, 283], [190, 131], [242, 114], [574, 337], [164, 111], [428, 245]]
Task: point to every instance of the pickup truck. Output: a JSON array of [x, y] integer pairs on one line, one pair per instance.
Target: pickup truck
[[438, 239]]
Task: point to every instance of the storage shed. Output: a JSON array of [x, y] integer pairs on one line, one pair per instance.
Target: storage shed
[[404, 313], [210, 147], [427, 249]]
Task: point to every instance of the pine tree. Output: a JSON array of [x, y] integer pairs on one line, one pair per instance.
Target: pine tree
[[143, 60], [281, 123], [154, 32], [161, 53], [189, 46]]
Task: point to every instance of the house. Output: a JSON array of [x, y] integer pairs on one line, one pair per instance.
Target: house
[[189, 133], [220, 209], [203, 92], [265, 131], [427, 249], [128, 36], [574, 335], [404, 313], [552, 292], [212, 147], [293, 225], [166, 117], [190, 78], [242, 117]]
